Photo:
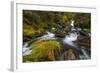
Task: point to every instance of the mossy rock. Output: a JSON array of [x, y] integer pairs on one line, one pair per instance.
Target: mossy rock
[[49, 50]]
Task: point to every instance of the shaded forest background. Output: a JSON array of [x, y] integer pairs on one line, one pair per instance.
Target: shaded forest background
[[35, 23]]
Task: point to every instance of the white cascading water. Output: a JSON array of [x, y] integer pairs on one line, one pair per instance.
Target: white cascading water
[[25, 47], [26, 50], [72, 23], [85, 54], [71, 37], [47, 36]]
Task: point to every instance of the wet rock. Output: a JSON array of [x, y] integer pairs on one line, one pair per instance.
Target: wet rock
[[84, 41], [71, 54], [60, 34]]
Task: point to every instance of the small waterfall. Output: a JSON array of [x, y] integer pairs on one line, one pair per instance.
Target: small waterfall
[[72, 23], [85, 55], [26, 50], [71, 37]]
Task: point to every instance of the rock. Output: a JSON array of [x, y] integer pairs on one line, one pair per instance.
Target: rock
[[84, 41], [60, 34], [71, 54]]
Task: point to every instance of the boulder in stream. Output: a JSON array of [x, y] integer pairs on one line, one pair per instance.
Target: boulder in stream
[[71, 54]]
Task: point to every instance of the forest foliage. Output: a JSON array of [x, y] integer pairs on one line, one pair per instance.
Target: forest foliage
[[35, 23]]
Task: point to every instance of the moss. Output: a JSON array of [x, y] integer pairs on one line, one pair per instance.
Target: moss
[[28, 30], [48, 50], [87, 30], [31, 31]]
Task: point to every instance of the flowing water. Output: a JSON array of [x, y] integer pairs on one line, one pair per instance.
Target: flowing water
[[26, 49], [68, 40]]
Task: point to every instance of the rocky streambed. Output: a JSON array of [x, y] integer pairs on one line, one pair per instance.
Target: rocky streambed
[[51, 48]]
